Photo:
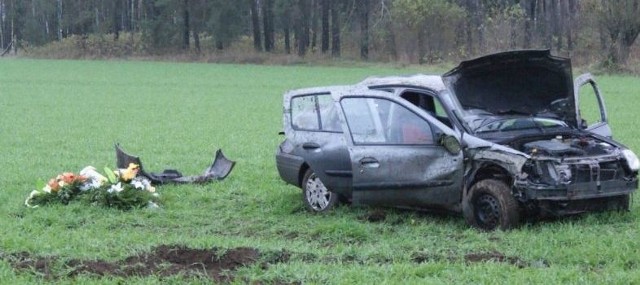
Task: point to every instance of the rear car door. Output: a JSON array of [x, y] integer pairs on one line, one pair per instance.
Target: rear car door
[[592, 115], [396, 157], [319, 140]]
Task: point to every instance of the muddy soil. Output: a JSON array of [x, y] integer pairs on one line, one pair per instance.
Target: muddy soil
[[215, 264], [164, 260]]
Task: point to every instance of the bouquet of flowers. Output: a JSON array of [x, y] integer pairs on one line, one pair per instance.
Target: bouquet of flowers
[[122, 189]]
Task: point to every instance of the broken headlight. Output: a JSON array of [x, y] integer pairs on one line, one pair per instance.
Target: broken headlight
[[632, 159]]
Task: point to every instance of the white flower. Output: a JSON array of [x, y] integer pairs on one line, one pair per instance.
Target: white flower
[[138, 184], [142, 184], [46, 189], [92, 174], [62, 184], [33, 194], [115, 188], [91, 183]]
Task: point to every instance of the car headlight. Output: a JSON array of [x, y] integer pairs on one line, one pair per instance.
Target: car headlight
[[632, 159]]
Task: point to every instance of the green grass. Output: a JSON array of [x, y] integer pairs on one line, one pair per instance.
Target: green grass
[[63, 115]]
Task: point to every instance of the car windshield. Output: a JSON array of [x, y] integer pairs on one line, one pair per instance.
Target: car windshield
[[519, 124]]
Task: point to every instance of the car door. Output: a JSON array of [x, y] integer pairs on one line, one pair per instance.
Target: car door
[[396, 157], [591, 112], [318, 139]]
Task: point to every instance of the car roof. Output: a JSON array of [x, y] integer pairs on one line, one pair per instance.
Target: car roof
[[433, 82]]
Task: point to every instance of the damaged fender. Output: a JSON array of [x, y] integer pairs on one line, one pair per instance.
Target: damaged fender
[[218, 170]]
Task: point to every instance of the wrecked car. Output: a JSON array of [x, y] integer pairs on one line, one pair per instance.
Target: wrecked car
[[499, 139]]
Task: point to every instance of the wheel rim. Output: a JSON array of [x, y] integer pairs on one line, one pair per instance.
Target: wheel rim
[[318, 196], [487, 210]]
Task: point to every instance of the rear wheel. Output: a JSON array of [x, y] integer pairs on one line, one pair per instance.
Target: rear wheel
[[490, 206], [316, 196]]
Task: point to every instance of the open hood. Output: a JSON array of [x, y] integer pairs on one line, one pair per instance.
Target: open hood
[[528, 82]]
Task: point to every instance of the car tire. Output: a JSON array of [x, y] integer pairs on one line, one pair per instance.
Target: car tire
[[316, 196], [623, 203], [490, 206]]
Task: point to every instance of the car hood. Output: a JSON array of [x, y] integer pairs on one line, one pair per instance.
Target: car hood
[[528, 82]]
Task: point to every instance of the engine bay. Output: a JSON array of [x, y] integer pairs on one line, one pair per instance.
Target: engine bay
[[565, 146]]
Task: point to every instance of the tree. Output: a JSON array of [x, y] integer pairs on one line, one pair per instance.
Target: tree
[[426, 23], [185, 24], [267, 20], [620, 18], [363, 9], [301, 30], [335, 27], [255, 25], [324, 38]]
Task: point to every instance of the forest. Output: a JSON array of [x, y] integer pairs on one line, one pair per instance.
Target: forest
[[409, 31]]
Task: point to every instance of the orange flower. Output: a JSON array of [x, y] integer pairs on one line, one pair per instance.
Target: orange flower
[[68, 177], [53, 184]]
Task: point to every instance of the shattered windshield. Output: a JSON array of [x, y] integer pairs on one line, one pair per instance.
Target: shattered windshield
[[519, 124]]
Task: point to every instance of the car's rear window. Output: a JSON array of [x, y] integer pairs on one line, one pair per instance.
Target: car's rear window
[[315, 112]]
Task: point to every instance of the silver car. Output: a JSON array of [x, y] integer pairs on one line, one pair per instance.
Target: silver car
[[499, 139]]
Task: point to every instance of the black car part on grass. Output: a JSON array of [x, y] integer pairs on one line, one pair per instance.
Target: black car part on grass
[[218, 170]]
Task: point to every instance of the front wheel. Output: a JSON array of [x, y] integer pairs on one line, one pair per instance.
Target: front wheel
[[316, 196], [490, 206]]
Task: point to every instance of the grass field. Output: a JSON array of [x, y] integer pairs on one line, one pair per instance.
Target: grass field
[[63, 115]]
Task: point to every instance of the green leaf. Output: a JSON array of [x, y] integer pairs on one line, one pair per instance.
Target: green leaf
[[40, 184], [110, 175]]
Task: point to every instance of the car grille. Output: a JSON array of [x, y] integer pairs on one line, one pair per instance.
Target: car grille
[[596, 171]]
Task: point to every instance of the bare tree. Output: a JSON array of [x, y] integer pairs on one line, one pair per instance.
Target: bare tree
[[267, 23], [255, 25], [364, 9], [621, 21], [325, 5], [335, 28]]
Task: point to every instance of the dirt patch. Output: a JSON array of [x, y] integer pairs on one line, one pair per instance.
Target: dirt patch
[[494, 256], [216, 264]]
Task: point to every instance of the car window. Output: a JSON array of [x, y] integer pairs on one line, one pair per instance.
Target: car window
[[328, 114], [381, 121], [314, 113], [428, 103]]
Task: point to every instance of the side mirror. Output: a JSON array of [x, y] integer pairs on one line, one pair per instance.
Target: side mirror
[[451, 144]]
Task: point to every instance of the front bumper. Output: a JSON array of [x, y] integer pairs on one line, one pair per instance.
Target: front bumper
[[562, 200], [575, 191]]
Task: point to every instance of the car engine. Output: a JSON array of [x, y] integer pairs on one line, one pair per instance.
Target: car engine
[[567, 147]]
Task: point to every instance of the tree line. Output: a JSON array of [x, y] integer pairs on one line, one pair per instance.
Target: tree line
[[420, 31]]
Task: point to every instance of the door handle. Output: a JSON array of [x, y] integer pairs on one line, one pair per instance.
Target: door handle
[[310, 145], [370, 162]]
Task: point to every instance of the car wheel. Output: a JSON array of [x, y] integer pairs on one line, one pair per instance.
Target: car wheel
[[490, 206], [316, 196], [623, 203]]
